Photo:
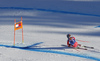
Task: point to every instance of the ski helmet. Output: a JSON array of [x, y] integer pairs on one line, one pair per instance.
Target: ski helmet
[[68, 35]]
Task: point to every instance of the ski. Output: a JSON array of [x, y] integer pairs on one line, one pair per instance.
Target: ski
[[88, 47], [82, 48], [85, 46], [76, 48]]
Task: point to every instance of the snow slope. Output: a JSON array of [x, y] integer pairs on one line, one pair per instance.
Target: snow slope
[[46, 24]]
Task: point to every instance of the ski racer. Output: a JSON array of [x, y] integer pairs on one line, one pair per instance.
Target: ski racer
[[71, 41]]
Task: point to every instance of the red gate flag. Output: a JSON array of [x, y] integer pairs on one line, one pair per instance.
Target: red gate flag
[[18, 25]]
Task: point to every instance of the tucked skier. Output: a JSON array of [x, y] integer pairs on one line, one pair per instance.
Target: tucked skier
[[71, 41]]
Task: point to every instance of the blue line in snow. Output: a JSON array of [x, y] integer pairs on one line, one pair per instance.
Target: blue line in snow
[[51, 51], [49, 10], [64, 53], [97, 26]]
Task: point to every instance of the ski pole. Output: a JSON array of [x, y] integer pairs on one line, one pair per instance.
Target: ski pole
[[81, 40]]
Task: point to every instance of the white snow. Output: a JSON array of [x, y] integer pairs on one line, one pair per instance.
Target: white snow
[[45, 26]]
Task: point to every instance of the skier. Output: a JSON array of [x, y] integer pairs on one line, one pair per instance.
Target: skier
[[71, 41]]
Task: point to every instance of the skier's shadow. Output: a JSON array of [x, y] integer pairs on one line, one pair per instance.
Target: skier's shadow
[[57, 48], [32, 47], [35, 46]]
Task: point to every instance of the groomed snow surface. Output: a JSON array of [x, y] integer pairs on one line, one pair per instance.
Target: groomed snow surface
[[45, 30]]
